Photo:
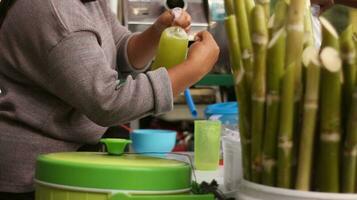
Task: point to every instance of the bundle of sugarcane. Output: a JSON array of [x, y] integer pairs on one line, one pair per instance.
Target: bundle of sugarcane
[[298, 119]]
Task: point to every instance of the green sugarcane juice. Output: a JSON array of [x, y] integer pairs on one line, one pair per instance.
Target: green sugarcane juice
[[172, 49]]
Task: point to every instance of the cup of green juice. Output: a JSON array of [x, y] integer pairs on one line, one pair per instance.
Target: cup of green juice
[[173, 47]]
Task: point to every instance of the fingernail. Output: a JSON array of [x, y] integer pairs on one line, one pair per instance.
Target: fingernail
[[177, 12]]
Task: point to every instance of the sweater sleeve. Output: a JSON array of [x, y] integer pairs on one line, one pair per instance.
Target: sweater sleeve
[[80, 75]]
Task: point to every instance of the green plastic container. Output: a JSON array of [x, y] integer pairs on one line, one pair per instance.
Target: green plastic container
[[113, 176]]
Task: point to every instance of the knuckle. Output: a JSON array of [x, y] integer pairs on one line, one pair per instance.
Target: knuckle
[[216, 48]]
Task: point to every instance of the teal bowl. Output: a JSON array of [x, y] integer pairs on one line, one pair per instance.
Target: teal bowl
[[151, 141]]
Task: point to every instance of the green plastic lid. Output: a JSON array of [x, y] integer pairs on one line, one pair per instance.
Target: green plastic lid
[[113, 172]]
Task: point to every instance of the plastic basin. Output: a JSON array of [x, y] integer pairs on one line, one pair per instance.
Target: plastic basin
[[252, 191]]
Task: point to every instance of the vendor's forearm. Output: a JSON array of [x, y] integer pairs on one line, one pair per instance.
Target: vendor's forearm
[[142, 47], [181, 79], [351, 3]]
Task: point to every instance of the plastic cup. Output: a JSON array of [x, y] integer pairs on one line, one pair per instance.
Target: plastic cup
[[207, 144], [173, 47]]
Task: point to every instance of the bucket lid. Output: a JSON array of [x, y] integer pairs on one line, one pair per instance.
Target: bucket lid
[[113, 172], [222, 108]]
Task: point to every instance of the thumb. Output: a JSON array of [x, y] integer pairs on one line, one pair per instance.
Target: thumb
[[203, 36]]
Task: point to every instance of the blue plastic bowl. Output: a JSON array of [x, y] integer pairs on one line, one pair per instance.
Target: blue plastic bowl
[[152, 141]]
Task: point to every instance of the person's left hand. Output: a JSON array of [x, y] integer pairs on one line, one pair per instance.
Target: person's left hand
[[175, 17]]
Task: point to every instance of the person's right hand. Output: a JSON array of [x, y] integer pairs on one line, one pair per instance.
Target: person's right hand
[[324, 4], [202, 56], [204, 52]]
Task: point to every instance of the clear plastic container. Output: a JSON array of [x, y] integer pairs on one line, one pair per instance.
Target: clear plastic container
[[232, 175]]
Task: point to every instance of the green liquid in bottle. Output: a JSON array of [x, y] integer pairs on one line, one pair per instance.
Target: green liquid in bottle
[[172, 49]]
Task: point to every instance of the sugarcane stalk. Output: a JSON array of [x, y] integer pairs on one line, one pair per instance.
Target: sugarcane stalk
[[281, 10], [278, 19], [229, 7], [234, 44], [260, 42], [328, 166], [244, 128], [298, 94], [353, 19], [350, 150], [245, 40], [309, 37], [243, 99], [310, 108], [294, 48], [298, 102], [270, 25], [328, 174], [266, 6], [348, 54], [285, 142], [249, 6], [329, 35], [275, 69], [247, 60], [353, 22]]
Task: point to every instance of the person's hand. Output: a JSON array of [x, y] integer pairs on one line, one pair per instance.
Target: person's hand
[[202, 56], [324, 4], [174, 17], [204, 52]]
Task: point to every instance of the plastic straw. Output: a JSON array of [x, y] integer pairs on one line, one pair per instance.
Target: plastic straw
[[190, 103]]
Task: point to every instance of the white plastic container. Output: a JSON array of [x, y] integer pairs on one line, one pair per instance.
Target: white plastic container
[[252, 191], [232, 175]]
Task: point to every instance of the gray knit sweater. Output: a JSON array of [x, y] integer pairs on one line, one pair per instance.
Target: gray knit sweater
[[64, 78]]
